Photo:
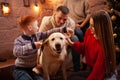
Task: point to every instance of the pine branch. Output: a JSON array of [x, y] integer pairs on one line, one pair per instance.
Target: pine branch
[[116, 12], [112, 11]]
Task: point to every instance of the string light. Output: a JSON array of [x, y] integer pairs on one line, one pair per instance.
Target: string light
[[36, 7], [5, 8]]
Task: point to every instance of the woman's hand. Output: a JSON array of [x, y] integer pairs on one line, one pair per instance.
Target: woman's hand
[[68, 39], [70, 32]]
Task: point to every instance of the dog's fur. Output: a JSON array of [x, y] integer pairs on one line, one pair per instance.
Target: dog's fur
[[53, 57]]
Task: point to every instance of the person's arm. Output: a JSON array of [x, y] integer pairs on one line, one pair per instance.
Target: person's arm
[[79, 47], [44, 35], [21, 49], [87, 12], [98, 71], [65, 3]]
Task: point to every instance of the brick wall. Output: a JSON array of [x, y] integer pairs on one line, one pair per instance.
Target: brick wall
[[9, 29]]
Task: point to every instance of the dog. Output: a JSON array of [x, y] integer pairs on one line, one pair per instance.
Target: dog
[[53, 55]]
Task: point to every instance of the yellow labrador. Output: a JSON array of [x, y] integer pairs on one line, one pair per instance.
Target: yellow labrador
[[53, 56]]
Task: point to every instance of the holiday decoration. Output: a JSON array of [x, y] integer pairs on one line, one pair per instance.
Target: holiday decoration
[[114, 11]]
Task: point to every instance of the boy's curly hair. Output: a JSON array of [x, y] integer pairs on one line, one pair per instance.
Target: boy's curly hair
[[25, 20]]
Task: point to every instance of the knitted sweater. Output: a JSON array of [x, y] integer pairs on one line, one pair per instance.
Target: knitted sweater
[[94, 55], [48, 23], [25, 49], [79, 9]]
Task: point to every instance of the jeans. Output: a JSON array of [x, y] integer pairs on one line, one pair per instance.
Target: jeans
[[84, 28], [20, 74], [79, 34], [75, 55], [113, 76]]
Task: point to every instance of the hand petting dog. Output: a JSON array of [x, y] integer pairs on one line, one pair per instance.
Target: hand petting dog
[[38, 44], [67, 35], [70, 32]]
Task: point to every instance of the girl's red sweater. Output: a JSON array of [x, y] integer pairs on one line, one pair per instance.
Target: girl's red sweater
[[94, 55]]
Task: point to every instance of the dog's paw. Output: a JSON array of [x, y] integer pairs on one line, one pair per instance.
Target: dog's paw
[[38, 70]]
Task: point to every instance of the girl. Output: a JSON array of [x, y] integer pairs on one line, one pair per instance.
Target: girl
[[98, 47]]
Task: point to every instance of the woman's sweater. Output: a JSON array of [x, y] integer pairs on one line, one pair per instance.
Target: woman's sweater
[[94, 55]]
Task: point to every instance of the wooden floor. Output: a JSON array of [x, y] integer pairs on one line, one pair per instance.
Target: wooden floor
[[7, 67], [118, 68], [6, 70]]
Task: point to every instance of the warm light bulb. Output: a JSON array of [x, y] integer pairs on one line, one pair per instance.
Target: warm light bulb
[[6, 9], [36, 8]]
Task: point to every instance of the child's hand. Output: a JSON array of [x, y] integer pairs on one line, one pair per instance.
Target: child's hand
[[70, 32], [38, 44]]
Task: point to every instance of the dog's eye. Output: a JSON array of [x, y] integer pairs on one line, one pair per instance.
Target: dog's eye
[[61, 38], [53, 39]]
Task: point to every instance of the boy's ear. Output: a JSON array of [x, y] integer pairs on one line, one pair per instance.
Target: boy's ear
[[29, 27]]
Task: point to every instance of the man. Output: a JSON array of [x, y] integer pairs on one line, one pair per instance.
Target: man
[[60, 19], [79, 12]]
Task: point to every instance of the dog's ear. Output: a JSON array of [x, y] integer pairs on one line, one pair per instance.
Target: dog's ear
[[45, 42]]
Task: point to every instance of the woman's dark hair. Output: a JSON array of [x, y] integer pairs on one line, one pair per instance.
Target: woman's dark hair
[[104, 31]]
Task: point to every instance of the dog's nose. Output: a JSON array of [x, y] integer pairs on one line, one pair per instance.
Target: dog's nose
[[58, 46]]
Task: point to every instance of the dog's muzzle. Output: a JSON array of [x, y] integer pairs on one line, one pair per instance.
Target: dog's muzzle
[[58, 48]]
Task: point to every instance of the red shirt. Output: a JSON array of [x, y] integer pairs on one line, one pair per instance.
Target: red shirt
[[94, 55]]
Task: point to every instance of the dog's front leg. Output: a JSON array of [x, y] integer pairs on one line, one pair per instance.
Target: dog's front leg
[[46, 74], [64, 71]]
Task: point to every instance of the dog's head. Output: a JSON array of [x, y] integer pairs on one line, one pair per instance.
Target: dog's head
[[56, 41]]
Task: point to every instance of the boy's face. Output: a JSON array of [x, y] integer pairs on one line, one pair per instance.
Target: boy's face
[[34, 27], [60, 18]]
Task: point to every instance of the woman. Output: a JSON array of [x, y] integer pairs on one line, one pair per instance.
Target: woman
[[98, 46]]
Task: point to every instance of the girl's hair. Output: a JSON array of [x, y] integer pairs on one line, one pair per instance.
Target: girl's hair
[[25, 20], [104, 32]]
